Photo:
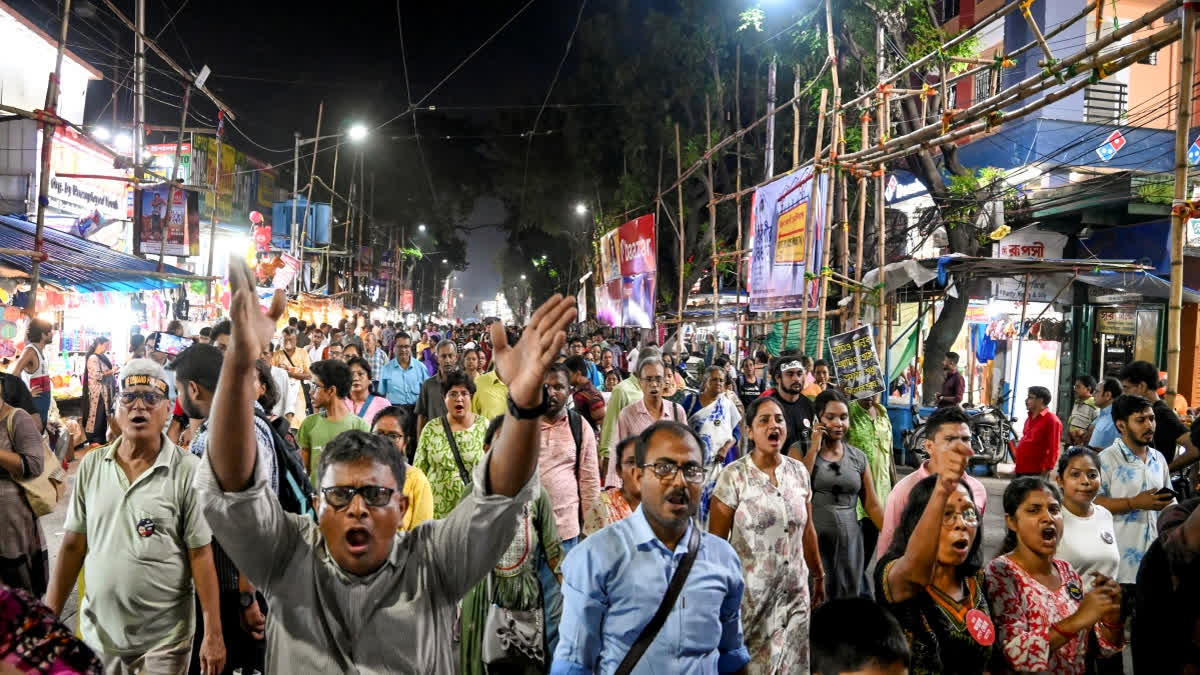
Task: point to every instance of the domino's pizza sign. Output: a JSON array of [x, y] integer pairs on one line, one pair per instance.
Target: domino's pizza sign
[[1112, 145], [1193, 153]]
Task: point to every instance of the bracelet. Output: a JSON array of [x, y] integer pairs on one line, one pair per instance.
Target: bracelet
[[1119, 627], [1061, 632], [819, 577]]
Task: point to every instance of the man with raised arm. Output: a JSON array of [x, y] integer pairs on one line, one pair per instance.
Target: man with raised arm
[[342, 589]]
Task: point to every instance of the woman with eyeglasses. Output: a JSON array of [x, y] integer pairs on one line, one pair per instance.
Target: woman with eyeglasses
[[450, 446], [513, 584], [930, 577], [361, 401], [391, 423], [841, 478], [1044, 614], [762, 505]]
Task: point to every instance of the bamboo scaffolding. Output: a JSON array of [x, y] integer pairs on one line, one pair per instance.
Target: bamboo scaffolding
[[1037, 33], [862, 214], [712, 211], [811, 215], [1183, 122], [826, 241], [844, 212], [879, 217]]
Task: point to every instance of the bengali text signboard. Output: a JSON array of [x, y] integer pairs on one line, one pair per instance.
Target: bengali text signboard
[[626, 285], [788, 218], [857, 363]]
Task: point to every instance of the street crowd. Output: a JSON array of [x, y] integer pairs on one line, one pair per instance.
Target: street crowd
[[366, 498]]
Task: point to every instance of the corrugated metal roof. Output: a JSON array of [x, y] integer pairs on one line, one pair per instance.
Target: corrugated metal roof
[[60, 246]]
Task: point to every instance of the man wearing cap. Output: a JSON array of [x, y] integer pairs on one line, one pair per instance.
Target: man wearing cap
[[788, 374], [133, 518]]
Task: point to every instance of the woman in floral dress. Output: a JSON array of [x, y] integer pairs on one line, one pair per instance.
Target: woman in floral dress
[[514, 582], [762, 505], [435, 456], [1043, 615]]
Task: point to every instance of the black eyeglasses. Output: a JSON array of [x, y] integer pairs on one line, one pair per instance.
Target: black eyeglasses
[[152, 398], [393, 436], [339, 496], [692, 473]]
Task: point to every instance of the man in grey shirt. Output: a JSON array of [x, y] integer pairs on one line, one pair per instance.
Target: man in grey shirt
[[351, 593]]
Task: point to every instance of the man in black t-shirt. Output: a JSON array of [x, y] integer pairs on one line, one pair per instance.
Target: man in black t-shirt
[[788, 374], [1141, 378]]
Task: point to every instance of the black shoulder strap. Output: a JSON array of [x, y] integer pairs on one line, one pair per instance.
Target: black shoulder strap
[[664, 609], [462, 468], [576, 423]]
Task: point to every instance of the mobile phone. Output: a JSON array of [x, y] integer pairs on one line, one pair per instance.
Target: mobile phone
[[172, 344], [1168, 491]]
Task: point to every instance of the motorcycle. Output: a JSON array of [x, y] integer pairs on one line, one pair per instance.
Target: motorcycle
[[992, 437]]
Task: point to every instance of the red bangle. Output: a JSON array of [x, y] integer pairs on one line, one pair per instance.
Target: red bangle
[[1119, 627], [1061, 632]]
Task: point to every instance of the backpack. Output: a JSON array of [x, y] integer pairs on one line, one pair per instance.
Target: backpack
[[295, 490], [575, 421]]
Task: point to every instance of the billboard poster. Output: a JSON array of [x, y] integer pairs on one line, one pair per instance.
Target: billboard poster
[[581, 305], [181, 222], [627, 288], [92, 202], [788, 219], [1031, 243], [286, 273], [162, 160], [856, 363]]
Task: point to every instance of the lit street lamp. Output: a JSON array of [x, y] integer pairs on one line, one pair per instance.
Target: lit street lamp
[[421, 227], [580, 209], [444, 261], [357, 132], [522, 277]]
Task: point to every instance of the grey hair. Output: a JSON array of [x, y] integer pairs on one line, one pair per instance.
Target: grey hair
[[445, 343], [144, 367], [644, 355], [654, 360], [289, 331]]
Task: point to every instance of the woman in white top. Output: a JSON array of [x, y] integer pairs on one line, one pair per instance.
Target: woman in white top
[[32, 365], [1089, 540]]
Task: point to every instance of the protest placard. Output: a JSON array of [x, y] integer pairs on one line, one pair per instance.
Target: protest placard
[[856, 363]]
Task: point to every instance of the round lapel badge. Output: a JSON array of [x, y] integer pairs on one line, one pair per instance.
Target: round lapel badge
[[979, 625], [1074, 591], [145, 527], [1106, 537]]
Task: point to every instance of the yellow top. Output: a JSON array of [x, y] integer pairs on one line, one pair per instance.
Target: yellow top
[[491, 396], [420, 498]]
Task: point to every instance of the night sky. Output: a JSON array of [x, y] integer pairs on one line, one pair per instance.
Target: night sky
[[273, 62]]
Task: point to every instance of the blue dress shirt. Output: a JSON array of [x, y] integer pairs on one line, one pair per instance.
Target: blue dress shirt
[[1104, 431], [402, 385], [595, 375], [613, 582]]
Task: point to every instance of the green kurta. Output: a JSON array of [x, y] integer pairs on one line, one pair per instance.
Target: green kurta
[[515, 584], [874, 438]]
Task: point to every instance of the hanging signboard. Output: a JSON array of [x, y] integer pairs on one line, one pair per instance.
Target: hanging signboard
[[626, 285], [180, 222], [162, 159], [94, 202], [286, 273], [1031, 243], [1116, 321], [785, 241], [856, 363]]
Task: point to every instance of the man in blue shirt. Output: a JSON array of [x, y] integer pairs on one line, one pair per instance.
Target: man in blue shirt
[[401, 379], [1104, 431], [614, 581]]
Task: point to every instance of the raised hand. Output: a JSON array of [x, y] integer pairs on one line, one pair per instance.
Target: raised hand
[[523, 365], [954, 465], [252, 328]]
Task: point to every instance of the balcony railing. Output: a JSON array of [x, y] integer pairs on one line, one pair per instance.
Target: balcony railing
[[1105, 102]]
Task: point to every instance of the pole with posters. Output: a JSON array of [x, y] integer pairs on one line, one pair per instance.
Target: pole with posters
[[48, 128], [166, 223]]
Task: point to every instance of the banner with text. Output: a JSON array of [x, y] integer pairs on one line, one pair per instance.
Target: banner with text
[[181, 222], [785, 240], [856, 363], [1038, 244], [626, 284]]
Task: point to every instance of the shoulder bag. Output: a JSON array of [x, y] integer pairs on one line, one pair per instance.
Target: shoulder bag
[[462, 468], [664, 609], [510, 636], [42, 491]]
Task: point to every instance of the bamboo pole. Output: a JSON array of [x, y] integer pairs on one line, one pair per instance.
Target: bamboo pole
[[795, 116], [679, 187], [48, 128], [881, 257], [844, 212], [1183, 123], [811, 214], [1037, 33], [712, 211], [737, 117], [216, 194], [830, 203]]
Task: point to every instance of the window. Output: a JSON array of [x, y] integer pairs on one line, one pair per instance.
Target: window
[[948, 9], [952, 96], [983, 85]]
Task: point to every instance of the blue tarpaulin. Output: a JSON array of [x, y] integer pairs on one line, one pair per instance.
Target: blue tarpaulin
[[123, 273]]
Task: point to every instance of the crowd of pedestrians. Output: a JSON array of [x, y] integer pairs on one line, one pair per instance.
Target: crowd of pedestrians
[[377, 498]]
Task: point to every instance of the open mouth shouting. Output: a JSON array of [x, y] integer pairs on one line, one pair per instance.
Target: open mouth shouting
[[358, 539], [140, 421], [678, 501], [961, 544], [1050, 535], [774, 438]]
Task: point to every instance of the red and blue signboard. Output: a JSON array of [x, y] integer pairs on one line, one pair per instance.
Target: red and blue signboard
[[1112, 145]]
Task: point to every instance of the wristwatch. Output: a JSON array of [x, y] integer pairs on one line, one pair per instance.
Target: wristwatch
[[246, 600], [530, 413]]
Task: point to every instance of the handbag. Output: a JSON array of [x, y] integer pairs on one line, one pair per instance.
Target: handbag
[[462, 468], [512, 636], [664, 608], [42, 491]]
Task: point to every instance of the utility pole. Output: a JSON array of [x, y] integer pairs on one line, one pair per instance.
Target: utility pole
[[770, 149], [216, 196], [165, 224], [309, 212], [48, 128], [295, 190]]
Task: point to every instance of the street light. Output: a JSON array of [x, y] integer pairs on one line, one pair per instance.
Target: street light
[[357, 132], [444, 261], [522, 277], [421, 227], [102, 133], [580, 209], [123, 142]]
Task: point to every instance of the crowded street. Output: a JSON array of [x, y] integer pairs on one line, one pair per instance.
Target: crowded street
[[763, 337]]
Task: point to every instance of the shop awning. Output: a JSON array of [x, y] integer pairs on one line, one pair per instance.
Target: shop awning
[[123, 273], [1146, 284]]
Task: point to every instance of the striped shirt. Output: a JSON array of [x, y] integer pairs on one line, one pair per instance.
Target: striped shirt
[[377, 361]]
